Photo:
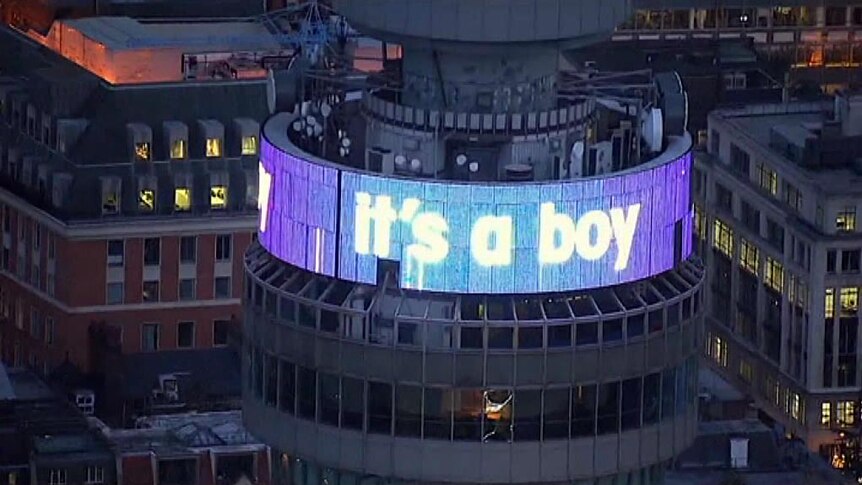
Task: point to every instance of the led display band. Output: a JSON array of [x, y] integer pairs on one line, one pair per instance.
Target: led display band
[[451, 236]]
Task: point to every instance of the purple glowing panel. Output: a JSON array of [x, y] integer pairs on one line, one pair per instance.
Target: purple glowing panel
[[516, 238], [298, 206]]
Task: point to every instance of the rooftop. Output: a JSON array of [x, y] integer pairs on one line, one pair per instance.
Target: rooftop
[[182, 433]]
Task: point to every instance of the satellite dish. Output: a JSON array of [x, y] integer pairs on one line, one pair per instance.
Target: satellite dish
[[297, 125], [318, 130], [309, 130], [577, 151], [325, 109], [461, 160], [400, 160], [474, 167], [415, 165], [305, 108], [345, 142], [652, 129]]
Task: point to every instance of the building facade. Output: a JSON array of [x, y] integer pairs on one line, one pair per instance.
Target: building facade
[[776, 217]]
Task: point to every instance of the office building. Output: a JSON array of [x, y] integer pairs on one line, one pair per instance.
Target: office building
[[776, 213], [438, 294]]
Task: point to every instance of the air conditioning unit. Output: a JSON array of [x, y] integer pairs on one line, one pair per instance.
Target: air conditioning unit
[[85, 401]]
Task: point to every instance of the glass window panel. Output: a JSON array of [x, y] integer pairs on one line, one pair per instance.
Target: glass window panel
[[528, 415], [409, 333], [652, 396], [635, 325], [587, 334], [467, 408], [612, 330], [408, 411], [307, 388], [500, 337], [584, 410], [556, 414], [438, 413], [498, 415], [352, 402], [608, 420], [655, 321], [631, 404], [560, 335], [257, 373], [668, 379], [681, 390], [471, 337], [530, 337], [182, 199], [287, 385], [379, 408], [271, 373]]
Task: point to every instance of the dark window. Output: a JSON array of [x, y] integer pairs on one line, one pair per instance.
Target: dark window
[[631, 404], [379, 408], [775, 234], [151, 291], [188, 249], [306, 390], [471, 337], [150, 337], [222, 287], [750, 217], [584, 410], [831, 257], [723, 198], [408, 411], [612, 330], [152, 251], [186, 335], [408, 332], [468, 407], [608, 419], [287, 385], [740, 161], [560, 335], [220, 332], [587, 334], [528, 415], [652, 397], [500, 337], [270, 371], [714, 142], [187, 289], [530, 337], [668, 393], [556, 413], [114, 293], [223, 247], [438, 413], [328, 394], [635, 325], [116, 252], [656, 321], [850, 260], [177, 472]]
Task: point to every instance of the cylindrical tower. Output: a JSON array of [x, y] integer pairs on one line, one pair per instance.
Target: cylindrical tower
[[488, 288]]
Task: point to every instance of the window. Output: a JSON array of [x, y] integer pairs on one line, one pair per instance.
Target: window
[[849, 299], [49, 330], [723, 197], [768, 179], [749, 256], [795, 405], [222, 287], [700, 228], [829, 303], [142, 152], [186, 335], [775, 234], [218, 197], [188, 249], [746, 373], [714, 142], [826, 414], [846, 413], [223, 247], [249, 145], [95, 475], [850, 261], [379, 407], [178, 149], [213, 147], [773, 275], [151, 291], [723, 238], [845, 221], [831, 257], [182, 199], [152, 251], [110, 201], [147, 200], [793, 197], [57, 476], [187, 289], [150, 337], [116, 252], [114, 294], [717, 350], [220, 332], [740, 161]]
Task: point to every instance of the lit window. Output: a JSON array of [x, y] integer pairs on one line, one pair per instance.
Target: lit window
[[746, 373], [795, 406], [218, 197], [147, 200], [700, 227], [845, 221], [718, 350], [249, 145], [95, 474], [110, 203], [178, 149], [773, 275], [826, 414], [849, 301], [793, 197], [768, 179], [829, 304], [142, 152], [749, 256], [723, 238], [213, 147], [182, 199], [846, 413], [57, 476]]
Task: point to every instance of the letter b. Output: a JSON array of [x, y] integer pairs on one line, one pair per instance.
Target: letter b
[[550, 224]]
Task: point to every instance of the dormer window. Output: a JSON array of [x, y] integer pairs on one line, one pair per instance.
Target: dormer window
[[214, 147], [249, 145], [110, 195], [142, 152], [178, 149]]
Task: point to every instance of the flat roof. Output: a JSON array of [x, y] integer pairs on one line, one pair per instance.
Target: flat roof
[[124, 33]]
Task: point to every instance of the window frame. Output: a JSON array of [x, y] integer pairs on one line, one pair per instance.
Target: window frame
[[180, 325]]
